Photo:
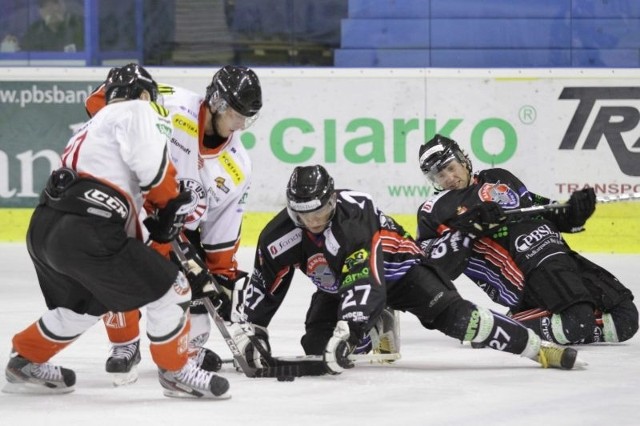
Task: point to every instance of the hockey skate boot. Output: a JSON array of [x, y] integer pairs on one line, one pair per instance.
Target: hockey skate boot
[[388, 333], [555, 356], [385, 337], [207, 359], [24, 376], [122, 362], [193, 382]]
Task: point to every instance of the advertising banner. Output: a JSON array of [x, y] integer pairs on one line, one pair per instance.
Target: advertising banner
[[556, 130]]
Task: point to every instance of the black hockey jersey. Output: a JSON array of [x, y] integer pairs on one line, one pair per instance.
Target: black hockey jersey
[[497, 264], [361, 253]]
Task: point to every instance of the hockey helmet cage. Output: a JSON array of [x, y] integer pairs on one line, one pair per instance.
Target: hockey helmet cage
[[310, 191], [237, 87], [128, 82]]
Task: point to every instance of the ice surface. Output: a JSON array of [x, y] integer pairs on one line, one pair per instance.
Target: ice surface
[[437, 381]]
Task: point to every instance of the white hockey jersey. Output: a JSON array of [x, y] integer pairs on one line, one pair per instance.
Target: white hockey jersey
[[125, 147], [219, 178]]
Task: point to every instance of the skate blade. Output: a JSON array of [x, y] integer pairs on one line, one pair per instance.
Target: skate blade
[[179, 394], [34, 389], [384, 357], [124, 379], [580, 364]]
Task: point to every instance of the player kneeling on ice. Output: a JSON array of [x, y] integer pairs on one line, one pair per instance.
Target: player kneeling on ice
[[522, 263], [84, 240], [362, 261]]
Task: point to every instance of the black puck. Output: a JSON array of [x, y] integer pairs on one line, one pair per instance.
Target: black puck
[[286, 378]]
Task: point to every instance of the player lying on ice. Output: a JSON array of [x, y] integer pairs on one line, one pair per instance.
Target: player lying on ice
[[523, 264]]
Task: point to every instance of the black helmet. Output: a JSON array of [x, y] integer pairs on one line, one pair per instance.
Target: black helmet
[[128, 82], [434, 155], [237, 87], [310, 189]]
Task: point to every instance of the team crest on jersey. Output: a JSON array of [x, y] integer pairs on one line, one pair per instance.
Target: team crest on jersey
[[320, 273], [198, 204], [284, 243], [499, 193]]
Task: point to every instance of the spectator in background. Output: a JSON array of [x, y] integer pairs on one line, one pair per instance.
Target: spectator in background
[[56, 30]]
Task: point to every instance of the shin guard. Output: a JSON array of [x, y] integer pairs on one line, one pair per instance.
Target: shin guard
[[172, 353], [122, 327]]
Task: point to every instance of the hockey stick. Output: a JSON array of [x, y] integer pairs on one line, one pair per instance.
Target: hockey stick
[[217, 319], [355, 358], [601, 200], [274, 367]]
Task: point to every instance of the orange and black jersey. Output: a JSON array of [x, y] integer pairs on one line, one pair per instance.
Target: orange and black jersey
[[361, 253]]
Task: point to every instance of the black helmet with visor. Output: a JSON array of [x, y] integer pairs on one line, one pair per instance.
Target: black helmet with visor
[[311, 196], [437, 153], [236, 87]]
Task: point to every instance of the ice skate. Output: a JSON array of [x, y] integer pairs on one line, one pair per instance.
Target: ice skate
[[386, 337], [207, 359], [193, 382], [122, 363], [24, 376], [556, 356]]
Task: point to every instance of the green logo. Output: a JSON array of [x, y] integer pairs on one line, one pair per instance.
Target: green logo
[[368, 140]]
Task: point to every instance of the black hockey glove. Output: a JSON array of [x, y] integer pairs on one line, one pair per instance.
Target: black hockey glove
[[200, 280], [340, 346], [166, 223], [480, 220], [227, 294], [582, 204]]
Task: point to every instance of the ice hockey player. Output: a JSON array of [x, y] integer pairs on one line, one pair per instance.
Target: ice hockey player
[[361, 260], [85, 242], [212, 162], [523, 264]]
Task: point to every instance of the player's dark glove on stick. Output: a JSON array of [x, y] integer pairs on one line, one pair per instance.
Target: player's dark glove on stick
[[165, 224], [340, 346], [231, 298], [480, 220], [582, 204], [198, 275]]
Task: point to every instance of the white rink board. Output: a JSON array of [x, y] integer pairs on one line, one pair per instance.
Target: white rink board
[[366, 126]]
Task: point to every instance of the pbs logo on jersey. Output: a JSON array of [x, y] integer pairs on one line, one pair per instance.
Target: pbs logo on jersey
[[198, 204]]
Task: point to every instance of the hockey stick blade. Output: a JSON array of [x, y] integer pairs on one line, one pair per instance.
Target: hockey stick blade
[[355, 358], [601, 200]]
